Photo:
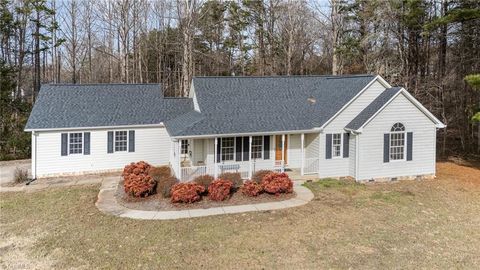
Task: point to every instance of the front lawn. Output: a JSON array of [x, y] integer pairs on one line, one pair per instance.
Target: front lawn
[[406, 224]]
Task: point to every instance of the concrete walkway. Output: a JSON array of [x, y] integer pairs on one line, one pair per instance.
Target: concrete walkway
[[108, 204]]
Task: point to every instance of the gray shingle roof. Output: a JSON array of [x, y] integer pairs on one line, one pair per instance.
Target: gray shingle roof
[[97, 105], [372, 108], [231, 105]]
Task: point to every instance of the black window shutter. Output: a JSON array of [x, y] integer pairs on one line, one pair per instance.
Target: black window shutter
[[219, 150], [346, 144], [246, 147], [386, 147], [131, 141], [238, 148], [266, 147], [409, 145], [328, 146], [110, 142], [64, 144], [86, 143]]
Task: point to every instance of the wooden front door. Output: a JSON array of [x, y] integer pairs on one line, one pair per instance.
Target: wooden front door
[[278, 147]]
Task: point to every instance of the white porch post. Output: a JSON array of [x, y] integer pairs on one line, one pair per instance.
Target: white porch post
[[283, 153], [302, 141], [179, 152], [319, 152], [215, 169], [250, 158]]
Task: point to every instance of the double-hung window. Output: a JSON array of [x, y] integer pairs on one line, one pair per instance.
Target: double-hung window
[[336, 144], [397, 142], [121, 141], [75, 143], [257, 147], [228, 149], [184, 147]]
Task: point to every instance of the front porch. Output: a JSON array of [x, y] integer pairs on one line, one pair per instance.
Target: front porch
[[292, 153]]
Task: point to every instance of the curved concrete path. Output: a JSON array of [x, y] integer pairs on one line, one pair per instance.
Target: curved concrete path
[[108, 204]]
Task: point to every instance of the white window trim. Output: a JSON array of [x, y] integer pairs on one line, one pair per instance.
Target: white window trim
[[181, 148], [404, 146], [81, 148], [261, 150], [234, 147], [115, 140], [341, 146]]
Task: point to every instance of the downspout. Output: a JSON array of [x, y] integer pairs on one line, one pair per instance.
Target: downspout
[[34, 167]]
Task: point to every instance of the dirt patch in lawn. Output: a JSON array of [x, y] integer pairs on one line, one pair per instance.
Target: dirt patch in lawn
[[157, 202]]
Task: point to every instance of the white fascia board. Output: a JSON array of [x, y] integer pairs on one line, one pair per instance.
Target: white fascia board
[[99, 127], [315, 130]]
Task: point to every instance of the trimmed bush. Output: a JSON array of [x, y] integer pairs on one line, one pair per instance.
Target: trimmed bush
[[234, 177], [136, 181], [219, 190], [186, 192], [160, 172], [204, 180], [20, 175], [276, 183], [165, 184], [258, 176], [251, 188]]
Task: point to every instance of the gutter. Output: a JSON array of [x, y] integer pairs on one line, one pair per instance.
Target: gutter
[[99, 127], [314, 130]]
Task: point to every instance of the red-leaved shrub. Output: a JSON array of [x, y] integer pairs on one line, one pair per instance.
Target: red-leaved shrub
[[136, 180], [219, 190], [276, 183], [251, 188], [258, 175], [186, 192]]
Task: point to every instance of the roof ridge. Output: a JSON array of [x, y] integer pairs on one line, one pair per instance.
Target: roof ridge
[[97, 84], [288, 76]]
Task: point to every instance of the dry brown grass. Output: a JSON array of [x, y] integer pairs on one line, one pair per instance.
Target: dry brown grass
[[405, 224]]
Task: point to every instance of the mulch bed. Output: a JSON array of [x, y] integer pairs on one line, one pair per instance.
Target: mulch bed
[[157, 202]]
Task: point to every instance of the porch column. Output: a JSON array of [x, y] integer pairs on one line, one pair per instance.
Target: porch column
[[250, 158], [179, 153], [215, 169], [302, 141], [319, 152], [283, 153]]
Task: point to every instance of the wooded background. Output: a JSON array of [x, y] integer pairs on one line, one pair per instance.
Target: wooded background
[[427, 46]]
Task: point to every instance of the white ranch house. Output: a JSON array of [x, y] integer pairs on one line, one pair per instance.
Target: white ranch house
[[328, 126]]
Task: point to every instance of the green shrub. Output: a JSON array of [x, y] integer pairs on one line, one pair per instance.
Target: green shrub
[[235, 178], [259, 175], [204, 180]]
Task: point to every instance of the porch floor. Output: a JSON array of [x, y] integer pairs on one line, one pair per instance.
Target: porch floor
[[295, 174]]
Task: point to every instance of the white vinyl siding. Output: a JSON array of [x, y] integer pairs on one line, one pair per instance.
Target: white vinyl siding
[[351, 155], [152, 145], [294, 151], [338, 167], [401, 110]]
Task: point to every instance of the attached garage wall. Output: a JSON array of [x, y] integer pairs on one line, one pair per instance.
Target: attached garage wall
[[152, 145], [401, 110]]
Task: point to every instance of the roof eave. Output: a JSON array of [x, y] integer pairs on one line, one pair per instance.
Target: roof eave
[[94, 128]]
